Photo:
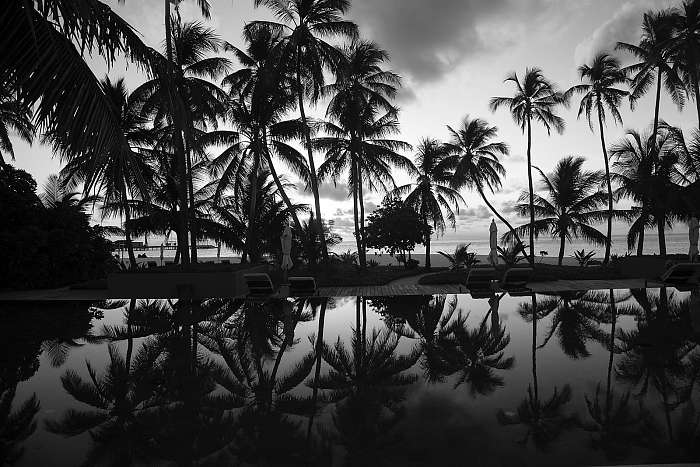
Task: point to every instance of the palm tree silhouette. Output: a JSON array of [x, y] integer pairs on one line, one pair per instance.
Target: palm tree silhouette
[[431, 196], [15, 426], [307, 25], [537, 99], [683, 47], [599, 94], [654, 63], [473, 158], [124, 171], [644, 171], [571, 205], [16, 117]]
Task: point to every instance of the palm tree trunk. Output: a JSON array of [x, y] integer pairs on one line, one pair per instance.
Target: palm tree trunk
[[696, 91], [640, 243], [656, 112], [130, 338], [309, 151], [278, 184], [358, 238], [534, 348], [608, 388], [427, 243], [127, 230], [660, 225], [361, 199], [607, 180], [562, 242], [193, 228], [317, 372], [501, 218], [250, 241], [532, 192]]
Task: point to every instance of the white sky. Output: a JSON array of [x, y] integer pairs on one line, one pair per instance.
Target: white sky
[[453, 55]]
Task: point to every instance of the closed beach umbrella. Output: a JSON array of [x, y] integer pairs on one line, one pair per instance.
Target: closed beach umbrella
[[286, 249], [218, 250], [162, 248], [493, 243], [693, 234]]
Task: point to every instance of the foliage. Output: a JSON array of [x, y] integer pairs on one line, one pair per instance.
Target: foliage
[[47, 245], [511, 254], [461, 258], [396, 227], [582, 257]]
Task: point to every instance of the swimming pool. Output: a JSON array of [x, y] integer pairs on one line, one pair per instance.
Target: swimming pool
[[576, 378]]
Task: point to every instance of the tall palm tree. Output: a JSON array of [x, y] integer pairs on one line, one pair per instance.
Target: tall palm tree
[[307, 24], [572, 203], [644, 170], [600, 93], [13, 117], [684, 48], [473, 158], [42, 59], [124, 171], [431, 196], [654, 63], [536, 99], [363, 149]]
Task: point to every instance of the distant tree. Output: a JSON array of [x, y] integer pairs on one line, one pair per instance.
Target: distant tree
[[395, 226], [536, 98], [600, 94]]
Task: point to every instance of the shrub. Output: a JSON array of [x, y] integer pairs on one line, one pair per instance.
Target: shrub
[[412, 264], [583, 257]]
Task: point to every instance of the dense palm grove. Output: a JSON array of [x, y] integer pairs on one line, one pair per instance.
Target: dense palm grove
[[200, 148]]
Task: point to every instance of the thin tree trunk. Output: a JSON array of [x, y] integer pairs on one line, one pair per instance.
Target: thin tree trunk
[[656, 113], [317, 373], [193, 227], [250, 241], [127, 230], [532, 192], [358, 237], [608, 390], [660, 225], [607, 180], [562, 242], [502, 219], [427, 243], [534, 348], [640, 243], [130, 338], [696, 90], [309, 151], [361, 200]]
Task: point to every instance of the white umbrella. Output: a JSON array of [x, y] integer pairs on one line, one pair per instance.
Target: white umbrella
[[286, 239], [493, 243], [693, 233]]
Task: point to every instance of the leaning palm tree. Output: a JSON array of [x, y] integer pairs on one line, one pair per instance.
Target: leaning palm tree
[[473, 158], [600, 93], [13, 117], [362, 147], [536, 98], [431, 196], [306, 25], [124, 171], [644, 170], [654, 63], [572, 203], [684, 48]]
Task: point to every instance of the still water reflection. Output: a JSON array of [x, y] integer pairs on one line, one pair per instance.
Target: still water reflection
[[578, 378]]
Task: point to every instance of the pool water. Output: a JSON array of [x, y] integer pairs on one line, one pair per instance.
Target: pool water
[[577, 378]]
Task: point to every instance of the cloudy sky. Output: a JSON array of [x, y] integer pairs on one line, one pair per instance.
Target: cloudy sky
[[453, 56]]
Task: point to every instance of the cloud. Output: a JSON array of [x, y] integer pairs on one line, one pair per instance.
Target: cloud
[[623, 26], [481, 212], [338, 192], [426, 39]]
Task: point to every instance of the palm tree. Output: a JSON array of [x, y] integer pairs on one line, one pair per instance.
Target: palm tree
[[473, 158], [308, 24], [15, 117], [362, 148], [15, 426], [43, 61], [537, 99], [603, 75], [124, 171], [654, 63], [572, 203], [644, 172], [431, 195], [684, 47]]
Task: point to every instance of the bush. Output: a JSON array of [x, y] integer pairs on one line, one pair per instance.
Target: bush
[[412, 264], [46, 246]]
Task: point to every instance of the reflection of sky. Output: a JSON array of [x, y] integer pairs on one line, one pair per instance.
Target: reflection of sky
[[441, 424]]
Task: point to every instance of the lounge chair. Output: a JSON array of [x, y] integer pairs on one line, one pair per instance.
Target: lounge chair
[[259, 284], [681, 274], [515, 280], [302, 286], [480, 282]]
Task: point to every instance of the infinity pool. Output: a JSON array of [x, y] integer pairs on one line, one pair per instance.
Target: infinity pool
[[579, 378]]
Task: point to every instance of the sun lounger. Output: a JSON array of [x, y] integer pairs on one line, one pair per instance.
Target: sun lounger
[[259, 284], [515, 280], [480, 282], [302, 286]]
